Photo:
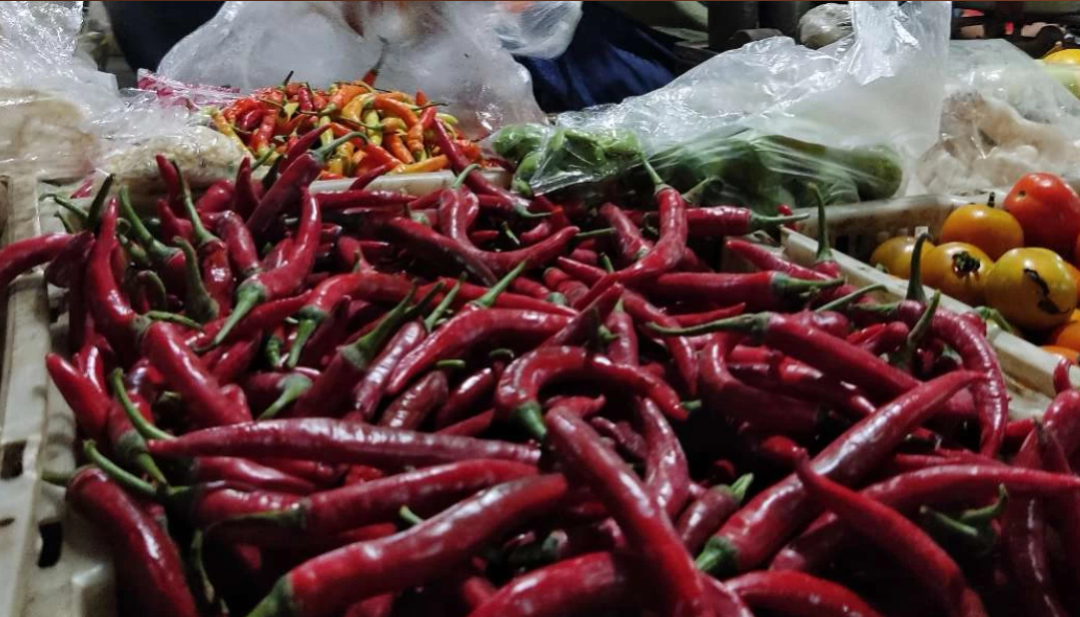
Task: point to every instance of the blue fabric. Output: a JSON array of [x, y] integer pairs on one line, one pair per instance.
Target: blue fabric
[[610, 58]]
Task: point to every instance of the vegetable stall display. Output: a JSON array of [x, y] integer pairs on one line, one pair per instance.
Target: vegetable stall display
[[477, 403]]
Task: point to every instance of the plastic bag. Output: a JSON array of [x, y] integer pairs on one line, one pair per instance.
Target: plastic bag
[[1002, 117], [48, 95], [877, 91], [60, 117], [824, 24], [456, 52]]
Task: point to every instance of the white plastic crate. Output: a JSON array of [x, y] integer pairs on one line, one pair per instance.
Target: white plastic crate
[[52, 563]]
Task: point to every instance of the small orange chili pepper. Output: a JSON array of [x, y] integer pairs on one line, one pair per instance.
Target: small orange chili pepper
[[421, 98], [388, 105], [395, 146], [341, 98], [415, 137], [434, 163]]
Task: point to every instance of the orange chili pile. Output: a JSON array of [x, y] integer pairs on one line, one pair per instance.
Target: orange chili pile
[[397, 128]]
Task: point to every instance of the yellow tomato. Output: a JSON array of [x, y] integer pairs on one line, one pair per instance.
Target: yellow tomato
[[994, 231], [1032, 288], [894, 255], [1063, 56], [959, 270]]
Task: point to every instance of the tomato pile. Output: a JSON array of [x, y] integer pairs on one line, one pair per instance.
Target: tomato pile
[[471, 403], [391, 131], [1018, 260]]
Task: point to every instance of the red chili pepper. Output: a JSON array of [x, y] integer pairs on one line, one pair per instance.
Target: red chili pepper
[[648, 532], [806, 384], [206, 405], [991, 396], [1023, 527], [706, 513], [943, 484], [474, 392], [363, 180], [795, 593], [170, 178], [112, 314], [470, 427], [469, 293], [764, 259], [517, 395], [413, 406], [369, 392], [240, 246], [264, 317], [833, 356], [694, 319], [591, 584], [20, 256], [759, 290], [623, 349], [763, 409], [172, 226], [466, 330], [1065, 509], [285, 279], [170, 260], [681, 350], [667, 475], [426, 490], [246, 200], [757, 530], [437, 249], [459, 162], [330, 582], [568, 287], [65, 269], [150, 571], [298, 170], [732, 221], [327, 440], [585, 326], [898, 536], [217, 198], [88, 402], [332, 387], [458, 208], [371, 286]]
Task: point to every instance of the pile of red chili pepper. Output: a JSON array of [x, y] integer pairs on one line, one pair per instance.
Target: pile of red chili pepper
[[468, 403], [395, 130]]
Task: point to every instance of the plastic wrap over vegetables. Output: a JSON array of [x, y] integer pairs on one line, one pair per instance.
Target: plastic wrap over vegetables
[[765, 124], [1002, 117], [457, 52]]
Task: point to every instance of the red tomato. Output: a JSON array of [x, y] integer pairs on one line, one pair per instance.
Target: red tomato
[[1048, 210]]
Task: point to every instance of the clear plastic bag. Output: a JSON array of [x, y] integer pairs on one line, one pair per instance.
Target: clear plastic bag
[[878, 91], [60, 117], [1002, 117], [457, 52], [49, 97]]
